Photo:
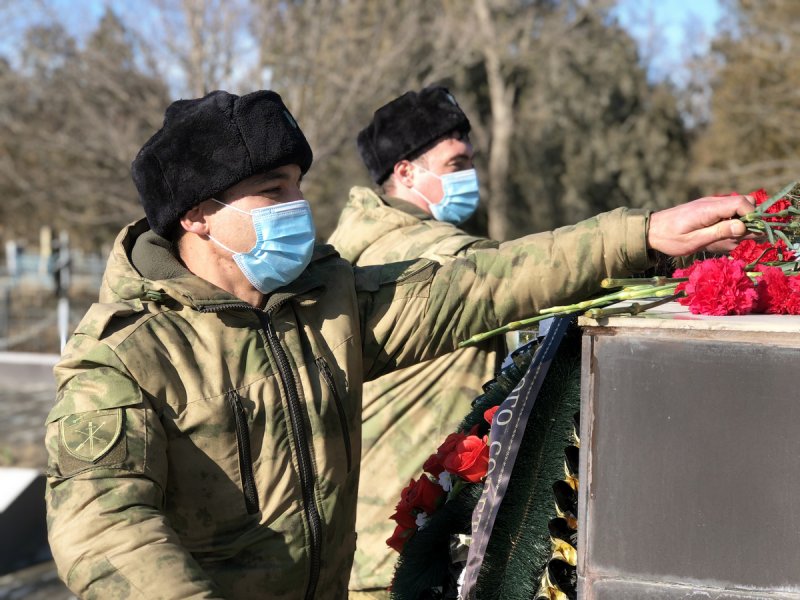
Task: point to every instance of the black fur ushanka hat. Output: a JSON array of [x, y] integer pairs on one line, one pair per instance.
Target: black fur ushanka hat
[[209, 144], [407, 124]]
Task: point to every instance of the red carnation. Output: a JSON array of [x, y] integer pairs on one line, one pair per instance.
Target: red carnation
[[488, 414], [681, 274], [434, 464], [718, 286], [749, 252], [792, 302], [773, 290], [760, 196], [469, 459], [399, 538]]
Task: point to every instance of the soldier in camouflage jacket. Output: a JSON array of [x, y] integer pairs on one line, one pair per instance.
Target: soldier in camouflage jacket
[[205, 442], [412, 146]]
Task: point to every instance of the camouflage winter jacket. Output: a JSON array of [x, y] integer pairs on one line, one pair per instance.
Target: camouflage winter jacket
[[200, 448], [409, 412]]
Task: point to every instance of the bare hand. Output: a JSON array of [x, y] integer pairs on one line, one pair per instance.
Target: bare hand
[[707, 223]]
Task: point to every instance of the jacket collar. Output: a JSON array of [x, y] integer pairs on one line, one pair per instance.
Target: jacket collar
[[145, 266]]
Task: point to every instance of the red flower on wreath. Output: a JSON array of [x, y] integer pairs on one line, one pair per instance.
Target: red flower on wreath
[[399, 538], [421, 495], [434, 465], [488, 414], [404, 517], [717, 286], [469, 459]]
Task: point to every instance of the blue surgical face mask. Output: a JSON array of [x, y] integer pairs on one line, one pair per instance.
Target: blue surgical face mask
[[460, 198], [284, 244]]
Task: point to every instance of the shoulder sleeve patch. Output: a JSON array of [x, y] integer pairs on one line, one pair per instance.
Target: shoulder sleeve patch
[[91, 439]]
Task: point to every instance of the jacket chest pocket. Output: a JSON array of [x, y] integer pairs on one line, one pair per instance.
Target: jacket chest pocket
[[327, 376], [243, 445], [213, 446]]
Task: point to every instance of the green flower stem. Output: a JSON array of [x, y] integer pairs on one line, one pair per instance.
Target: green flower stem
[[757, 216], [644, 292], [513, 326], [610, 283], [458, 485], [633, 309], [569, 309], [788, 190]]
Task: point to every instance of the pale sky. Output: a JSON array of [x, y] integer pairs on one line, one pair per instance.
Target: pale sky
[[670, 30], [667, 31]]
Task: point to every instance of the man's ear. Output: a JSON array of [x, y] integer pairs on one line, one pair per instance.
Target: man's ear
[[404, 173], [194, 220]]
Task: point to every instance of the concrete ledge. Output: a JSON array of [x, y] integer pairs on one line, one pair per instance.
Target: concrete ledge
[[23, 528]]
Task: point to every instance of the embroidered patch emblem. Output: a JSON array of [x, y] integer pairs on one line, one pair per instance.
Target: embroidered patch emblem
[[89, 436]]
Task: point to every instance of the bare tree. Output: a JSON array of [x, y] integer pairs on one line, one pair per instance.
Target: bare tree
[[496, 38], [202, 45], [74, 119], [334, 62]]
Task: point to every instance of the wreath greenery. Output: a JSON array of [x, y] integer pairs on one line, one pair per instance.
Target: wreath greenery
[[527, 556]]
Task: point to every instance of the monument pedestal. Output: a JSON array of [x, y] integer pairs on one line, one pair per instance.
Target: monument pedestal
[[690, 455], [23, 527]]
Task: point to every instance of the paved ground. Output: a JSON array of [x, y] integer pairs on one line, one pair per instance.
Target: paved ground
[[22, 414], [38, 582], [26, 395]]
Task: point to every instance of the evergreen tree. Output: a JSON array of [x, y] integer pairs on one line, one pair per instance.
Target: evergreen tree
[[590, 133], [597, 135], [752, 139]]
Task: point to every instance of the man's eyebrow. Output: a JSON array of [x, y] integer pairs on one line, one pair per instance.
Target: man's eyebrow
[[458, 158]]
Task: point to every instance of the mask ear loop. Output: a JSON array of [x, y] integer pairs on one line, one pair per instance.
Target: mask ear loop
[[220, 244], [417, 192], [244, 212], [215, 240], [421, 195]]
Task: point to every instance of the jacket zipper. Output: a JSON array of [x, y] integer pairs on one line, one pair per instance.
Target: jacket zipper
[[303, 454], [298, 433], [245, 459], [327, 375]]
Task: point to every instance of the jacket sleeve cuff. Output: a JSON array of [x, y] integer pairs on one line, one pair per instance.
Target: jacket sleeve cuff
[[639, 256]]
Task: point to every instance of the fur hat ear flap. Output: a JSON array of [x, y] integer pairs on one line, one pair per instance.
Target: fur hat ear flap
[[209, 144], [406, 125]]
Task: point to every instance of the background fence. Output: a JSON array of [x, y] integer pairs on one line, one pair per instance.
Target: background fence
[[31, 285]]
